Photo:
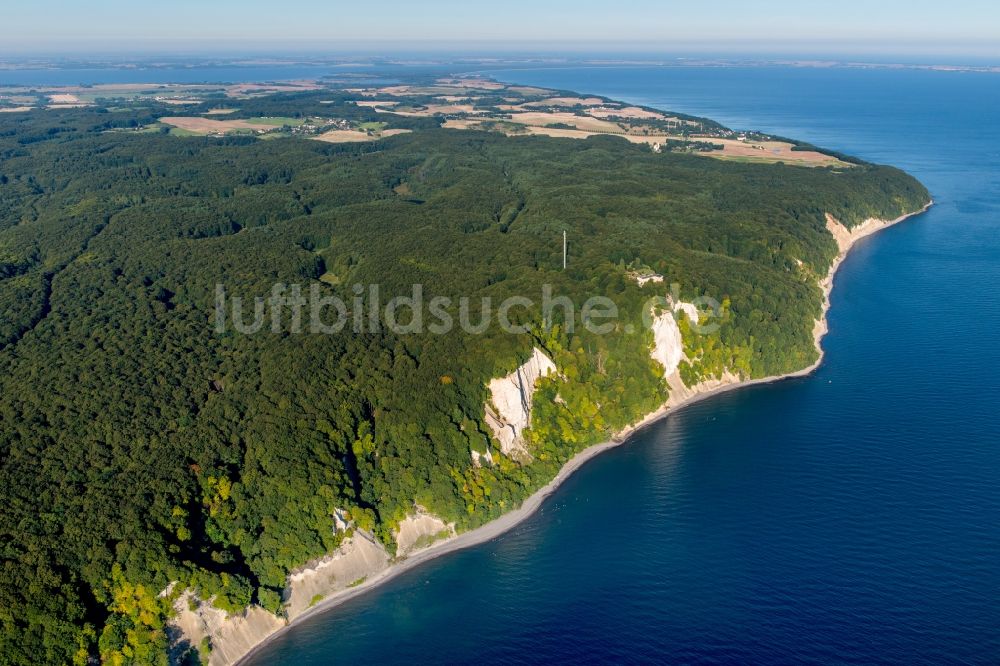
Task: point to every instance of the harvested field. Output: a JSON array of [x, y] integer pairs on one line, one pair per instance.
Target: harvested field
[[461, 123], [560, 133], [566, 101], [541, 119], [64, 98], [764, 151], [344, 136], [202, 125], [627, 112], [394, 90], [403, 91], [374, 103], [352, 136], [433, 110], [276, 121], [263, 88], [772, 151], [436, 90], [481, 84], [529, 90]]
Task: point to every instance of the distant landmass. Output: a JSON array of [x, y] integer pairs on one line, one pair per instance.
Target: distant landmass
[[252, 65], [181, 481]]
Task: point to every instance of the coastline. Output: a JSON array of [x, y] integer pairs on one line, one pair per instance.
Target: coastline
[[846, 240]]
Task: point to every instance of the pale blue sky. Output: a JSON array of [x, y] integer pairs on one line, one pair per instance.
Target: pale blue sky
[[960, 26]]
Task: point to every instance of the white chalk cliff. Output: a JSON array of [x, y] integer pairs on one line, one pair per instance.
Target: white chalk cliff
[[420, 530], [847, 237], [508, 413], [357, 558], [668, 351], [668, 347], [230, 636]]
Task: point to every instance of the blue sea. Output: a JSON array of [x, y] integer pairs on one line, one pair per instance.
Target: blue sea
[[849, 517]]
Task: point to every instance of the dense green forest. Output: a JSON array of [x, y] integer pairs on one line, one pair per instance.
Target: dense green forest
[[140, 446]]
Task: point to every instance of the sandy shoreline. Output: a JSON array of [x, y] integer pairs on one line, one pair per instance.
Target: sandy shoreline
[[509, 520]]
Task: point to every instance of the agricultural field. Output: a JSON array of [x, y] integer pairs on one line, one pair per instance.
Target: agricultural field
[[549, 118], [277, 122], [478, 104], [351, 136], [346, 113], [204, 126]]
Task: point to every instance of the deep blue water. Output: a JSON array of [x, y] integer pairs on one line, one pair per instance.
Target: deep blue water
[[850, 517]]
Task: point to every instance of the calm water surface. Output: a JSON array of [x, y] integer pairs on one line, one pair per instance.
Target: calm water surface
[[849, 517]]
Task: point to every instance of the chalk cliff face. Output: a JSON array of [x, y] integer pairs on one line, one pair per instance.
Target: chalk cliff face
[[668, 347], [508, 413], [420, 530], [357, 558], [230, 636], [847, 237], [668, 351]]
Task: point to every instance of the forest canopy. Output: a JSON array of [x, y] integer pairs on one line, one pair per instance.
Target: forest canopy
[[139, 446]]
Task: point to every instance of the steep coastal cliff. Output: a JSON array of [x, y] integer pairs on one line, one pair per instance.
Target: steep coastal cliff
[[508, 413], [362, 562]]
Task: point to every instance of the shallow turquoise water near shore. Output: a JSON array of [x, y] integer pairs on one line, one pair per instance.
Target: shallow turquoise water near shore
[[852, 516]]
